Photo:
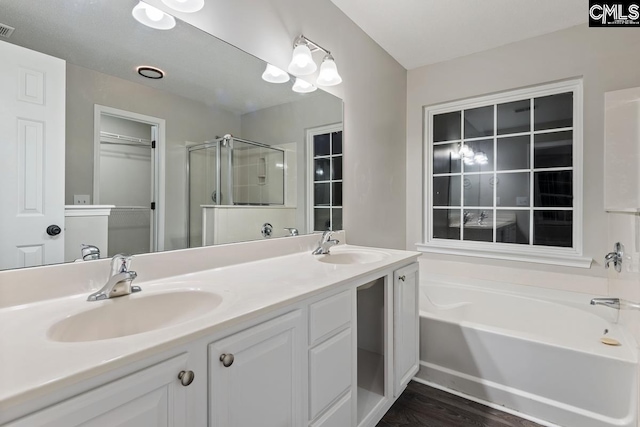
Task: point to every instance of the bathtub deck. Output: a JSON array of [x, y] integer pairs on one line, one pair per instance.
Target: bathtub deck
[[423, 406]]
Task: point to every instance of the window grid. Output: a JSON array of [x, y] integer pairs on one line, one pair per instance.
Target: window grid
[[531, 171], [330, 207]]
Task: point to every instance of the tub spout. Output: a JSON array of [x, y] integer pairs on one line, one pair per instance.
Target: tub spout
[[608, 302]]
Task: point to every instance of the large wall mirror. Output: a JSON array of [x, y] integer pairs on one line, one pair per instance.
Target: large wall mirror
[[94, 152]]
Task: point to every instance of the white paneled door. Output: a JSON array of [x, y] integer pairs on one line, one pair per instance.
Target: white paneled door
[[32, 156]]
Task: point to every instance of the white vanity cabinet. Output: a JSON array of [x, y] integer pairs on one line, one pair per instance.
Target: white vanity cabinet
[[406, 325], [153, 396], [255, 376]]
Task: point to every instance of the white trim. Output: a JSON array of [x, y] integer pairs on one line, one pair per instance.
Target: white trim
[[87, 210], [158, 166], [310, 133], [528, 253]]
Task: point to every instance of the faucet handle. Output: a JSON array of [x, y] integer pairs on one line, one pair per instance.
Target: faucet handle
[[89, 252], [120, 263]]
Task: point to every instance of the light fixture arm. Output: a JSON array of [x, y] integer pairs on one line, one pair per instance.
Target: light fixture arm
[[313, 46]]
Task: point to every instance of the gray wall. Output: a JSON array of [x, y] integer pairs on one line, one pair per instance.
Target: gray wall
[[186, 120], [607, 60], [374, 94]]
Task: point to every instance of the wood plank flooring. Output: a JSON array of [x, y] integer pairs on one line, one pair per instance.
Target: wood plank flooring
[[424, 406]]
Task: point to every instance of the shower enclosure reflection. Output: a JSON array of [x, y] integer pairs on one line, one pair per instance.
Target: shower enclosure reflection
[[235, 186]]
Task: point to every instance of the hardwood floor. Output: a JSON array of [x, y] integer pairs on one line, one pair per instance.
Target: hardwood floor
[[424, 406]]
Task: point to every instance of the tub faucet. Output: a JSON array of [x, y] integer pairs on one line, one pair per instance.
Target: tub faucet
[[607, 302], [119, 283], [325, 243], [615, 257]]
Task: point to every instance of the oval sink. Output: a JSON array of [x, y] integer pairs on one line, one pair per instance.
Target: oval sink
[[132, 315], [352, 257]]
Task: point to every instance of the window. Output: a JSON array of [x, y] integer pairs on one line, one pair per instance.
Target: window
[[504, 175], [324, 148]]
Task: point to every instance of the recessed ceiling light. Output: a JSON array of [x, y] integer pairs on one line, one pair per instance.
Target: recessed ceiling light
[[150, 72]]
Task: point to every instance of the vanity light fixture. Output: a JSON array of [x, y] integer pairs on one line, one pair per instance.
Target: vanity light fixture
[[302, 86], [153, 17], [302, 63], [187, 6], [150, 72], [273, 74]]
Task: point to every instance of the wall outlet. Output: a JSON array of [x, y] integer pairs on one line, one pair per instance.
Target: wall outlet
[[81, 199]]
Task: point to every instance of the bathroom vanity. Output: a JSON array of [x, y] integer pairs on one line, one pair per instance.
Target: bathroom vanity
[[294, 339]]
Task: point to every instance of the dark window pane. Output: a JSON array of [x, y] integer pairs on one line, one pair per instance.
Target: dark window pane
[[321, 145], [446, 127], [552, 112], [512, 189], [336, 171], [337, 194], [446, 224], [553, 228], [478, 190], [336, 142], [446, 159], [514, 117], [478, 122], [321, 195], [514, 153], [446, 191], [321, 169], [512, 227], [478, 225], [337, 219], [553, 150], [481, 159], [553, 189], [321, 219]]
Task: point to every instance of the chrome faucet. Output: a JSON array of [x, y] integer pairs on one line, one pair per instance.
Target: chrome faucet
[[325, 243], [89, 252], [482, 217], [119, 283], [607, 302], [615, 257], [292, 231]]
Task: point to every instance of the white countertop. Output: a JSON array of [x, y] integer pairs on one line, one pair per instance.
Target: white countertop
[[32, 365]]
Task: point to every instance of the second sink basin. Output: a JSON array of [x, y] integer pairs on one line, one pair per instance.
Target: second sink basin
[[352, 256], [133, 314]]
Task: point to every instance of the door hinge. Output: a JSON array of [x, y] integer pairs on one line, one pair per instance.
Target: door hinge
[[153, 206], [153, 144]]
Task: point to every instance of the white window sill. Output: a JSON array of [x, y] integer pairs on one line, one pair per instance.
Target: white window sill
[[536, 255]]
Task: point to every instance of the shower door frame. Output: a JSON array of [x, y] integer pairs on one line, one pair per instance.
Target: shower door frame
[[217, 144]]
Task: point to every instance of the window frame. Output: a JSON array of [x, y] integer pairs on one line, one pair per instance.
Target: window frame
[[565, 256], [311, 132]]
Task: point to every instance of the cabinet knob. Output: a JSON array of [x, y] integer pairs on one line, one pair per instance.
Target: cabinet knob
[[227, 359], [186, 377], [402, 277]]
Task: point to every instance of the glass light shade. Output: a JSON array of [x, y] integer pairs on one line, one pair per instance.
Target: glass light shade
[[328, 73], [273, 74], [302, 86], [188, 6], [302, 62], [153, 17]]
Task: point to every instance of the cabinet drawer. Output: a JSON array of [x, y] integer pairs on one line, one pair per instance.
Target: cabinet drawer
[[339, 415], [329, 315], [329, 371]]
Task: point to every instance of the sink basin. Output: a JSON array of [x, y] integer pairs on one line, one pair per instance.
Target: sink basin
[[135, 314], [352, 257]]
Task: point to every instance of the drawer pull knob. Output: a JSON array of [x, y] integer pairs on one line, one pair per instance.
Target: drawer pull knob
[[186, 377], [402, 277], [226, 359]]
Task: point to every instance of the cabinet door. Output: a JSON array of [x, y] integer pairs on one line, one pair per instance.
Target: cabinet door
[[262, 384], [405, 326], [151, 397]]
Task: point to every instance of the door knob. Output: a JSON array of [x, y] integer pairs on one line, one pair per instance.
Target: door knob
[[53, 230], [227, 359], [402, 277], [186, 377]]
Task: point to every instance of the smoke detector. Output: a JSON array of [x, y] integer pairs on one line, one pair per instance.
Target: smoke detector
[[5, 30]]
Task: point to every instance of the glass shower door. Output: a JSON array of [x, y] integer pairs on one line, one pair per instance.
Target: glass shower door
[[203, 187]]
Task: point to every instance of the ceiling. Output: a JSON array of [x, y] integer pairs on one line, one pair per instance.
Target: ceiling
[[422, 32], [103, 36]]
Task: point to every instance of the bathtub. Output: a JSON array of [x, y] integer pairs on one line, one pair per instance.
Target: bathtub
[[537, 354]]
